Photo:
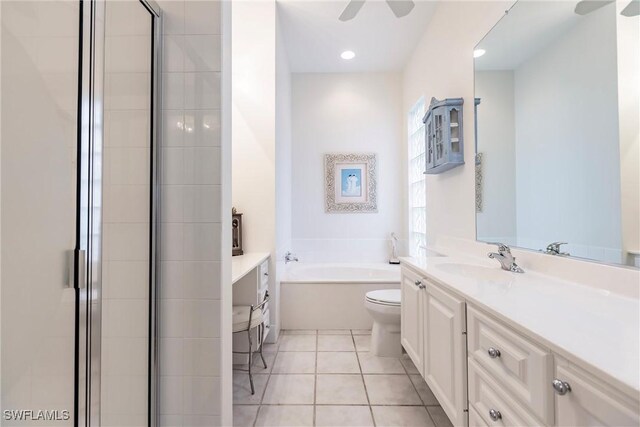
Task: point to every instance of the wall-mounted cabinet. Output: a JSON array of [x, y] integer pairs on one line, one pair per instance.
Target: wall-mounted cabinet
[[444, 135]]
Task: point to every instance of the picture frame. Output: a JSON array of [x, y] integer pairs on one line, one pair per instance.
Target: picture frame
[[351, 183]]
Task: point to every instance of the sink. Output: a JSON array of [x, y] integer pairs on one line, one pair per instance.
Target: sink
[[474, 271]]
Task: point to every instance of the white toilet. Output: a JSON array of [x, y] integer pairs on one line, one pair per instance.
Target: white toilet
[[384, 307]]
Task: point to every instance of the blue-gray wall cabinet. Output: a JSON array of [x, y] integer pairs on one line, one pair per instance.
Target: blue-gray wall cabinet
[[444, 135]]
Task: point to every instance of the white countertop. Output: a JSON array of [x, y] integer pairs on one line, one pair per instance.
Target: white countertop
[[243, 264], [599, 328]]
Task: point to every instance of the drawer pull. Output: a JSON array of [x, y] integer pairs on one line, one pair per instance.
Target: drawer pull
[[419, 284], [266, 273], [495, 415], [561, 387], [494, 353]]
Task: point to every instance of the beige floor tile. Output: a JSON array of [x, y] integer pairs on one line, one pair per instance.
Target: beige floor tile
[[335, 343], [340, 390], [270, 347], [372, 364], [391, 390], [401, 416], [299, 332], [338, 362], [244, 415], [242, 389], [361, 331], [343, 416], [295, 362], [298, 343], [334, 332], [363, 342], [424, 391], [258, 366], [408, 364], [439, 416], [289, 390], [285, 416]]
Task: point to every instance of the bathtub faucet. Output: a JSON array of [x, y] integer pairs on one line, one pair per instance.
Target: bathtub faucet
[[288, 257]]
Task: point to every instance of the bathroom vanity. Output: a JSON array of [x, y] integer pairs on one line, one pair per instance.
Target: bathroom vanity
[[499, 348]]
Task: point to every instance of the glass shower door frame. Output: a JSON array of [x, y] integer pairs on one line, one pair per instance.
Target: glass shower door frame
[[88, 251]]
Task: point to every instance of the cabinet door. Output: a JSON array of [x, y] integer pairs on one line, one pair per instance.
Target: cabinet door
[[591, 402], [411, 322], [445, 349]]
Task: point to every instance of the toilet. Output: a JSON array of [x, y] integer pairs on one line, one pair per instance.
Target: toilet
[[384, 307]]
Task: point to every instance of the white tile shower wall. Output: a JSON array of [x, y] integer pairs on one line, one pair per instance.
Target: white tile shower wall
[[191, 248]]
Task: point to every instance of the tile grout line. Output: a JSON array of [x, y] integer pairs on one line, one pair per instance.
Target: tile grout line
[[315, 380], [416, 389], [366, 392]]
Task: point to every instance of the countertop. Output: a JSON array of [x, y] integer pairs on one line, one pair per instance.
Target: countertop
[[243, 264], [595, 327]]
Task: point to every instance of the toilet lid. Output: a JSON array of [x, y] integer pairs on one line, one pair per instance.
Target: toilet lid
[[385, 296]]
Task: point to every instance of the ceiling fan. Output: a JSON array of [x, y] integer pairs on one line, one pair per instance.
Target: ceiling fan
[[399, 8], [587, 6]]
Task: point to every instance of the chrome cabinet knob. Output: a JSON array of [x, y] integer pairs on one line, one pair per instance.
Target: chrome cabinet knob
[[494, 353], [495, 415], [561, 387], [419, 284]]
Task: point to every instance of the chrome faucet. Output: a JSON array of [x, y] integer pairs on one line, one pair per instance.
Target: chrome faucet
[[506, 259], [288, 257], [554, 249]]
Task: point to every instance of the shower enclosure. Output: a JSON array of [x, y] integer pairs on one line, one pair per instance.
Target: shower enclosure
[[78, 212]]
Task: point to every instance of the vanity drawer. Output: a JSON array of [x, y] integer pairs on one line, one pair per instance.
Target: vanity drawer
[[521, 367], [263, 273], [492, 403]]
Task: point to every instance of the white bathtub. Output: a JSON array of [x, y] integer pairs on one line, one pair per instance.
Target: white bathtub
[[331, 296]]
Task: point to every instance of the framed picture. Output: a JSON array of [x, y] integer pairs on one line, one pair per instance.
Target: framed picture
[[350, 183]]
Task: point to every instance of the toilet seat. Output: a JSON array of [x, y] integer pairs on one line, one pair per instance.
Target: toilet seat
[[384, 297]]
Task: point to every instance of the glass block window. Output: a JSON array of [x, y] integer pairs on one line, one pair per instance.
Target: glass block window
[[417, 190]]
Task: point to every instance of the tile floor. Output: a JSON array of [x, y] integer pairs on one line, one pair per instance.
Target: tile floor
[[329, 378]]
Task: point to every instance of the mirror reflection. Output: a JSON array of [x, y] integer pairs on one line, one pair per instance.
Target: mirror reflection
[[557, 110]]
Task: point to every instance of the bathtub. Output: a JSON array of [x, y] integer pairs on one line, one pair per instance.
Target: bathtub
[[331, 296]]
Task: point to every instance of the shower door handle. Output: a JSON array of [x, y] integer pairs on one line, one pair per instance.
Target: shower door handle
[[76, 268]]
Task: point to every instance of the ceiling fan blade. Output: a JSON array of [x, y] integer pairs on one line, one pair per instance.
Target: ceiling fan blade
[[401, 8], [351, 10], [587, 6], [632, 9]]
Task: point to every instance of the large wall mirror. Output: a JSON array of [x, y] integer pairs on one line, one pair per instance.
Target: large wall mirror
[[557, 91]]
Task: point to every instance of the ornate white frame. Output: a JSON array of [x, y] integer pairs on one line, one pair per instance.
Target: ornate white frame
[[371, 202]]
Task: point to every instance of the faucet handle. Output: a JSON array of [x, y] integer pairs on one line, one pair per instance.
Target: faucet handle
[[501, 247], [555, 246]]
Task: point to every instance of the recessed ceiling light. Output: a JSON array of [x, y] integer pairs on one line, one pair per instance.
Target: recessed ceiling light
[[348, 54], [478, 53]]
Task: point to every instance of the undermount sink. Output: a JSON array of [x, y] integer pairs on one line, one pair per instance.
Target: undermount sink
[[475, 271]]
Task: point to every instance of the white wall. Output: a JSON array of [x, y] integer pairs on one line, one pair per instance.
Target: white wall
[[254, 127], [629, 108], [283, 169], [357, 112], [450, 196], [496, 142], [193, 371], [567, 158]]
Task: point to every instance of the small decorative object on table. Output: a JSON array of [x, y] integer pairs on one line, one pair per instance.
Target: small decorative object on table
[[350, 183], [236, 235], [394, 250], [444, 135]]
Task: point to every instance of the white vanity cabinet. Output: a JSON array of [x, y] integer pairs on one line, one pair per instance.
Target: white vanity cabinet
[[411, 319], [433, 332], [485, 371], [582, 400], [445, 351]]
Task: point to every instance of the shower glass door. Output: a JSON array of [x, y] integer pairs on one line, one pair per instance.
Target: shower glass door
[[38, 208], [78, 212]]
